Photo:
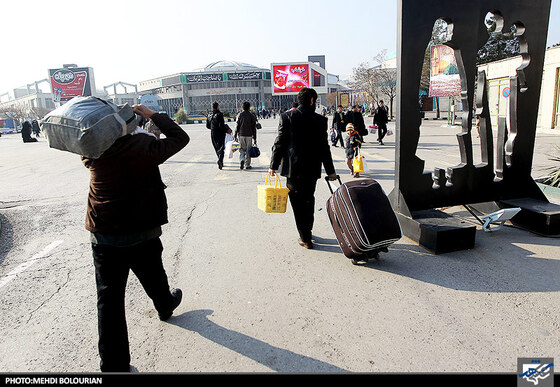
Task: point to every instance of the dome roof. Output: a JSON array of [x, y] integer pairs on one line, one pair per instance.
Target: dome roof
[[228, 65]]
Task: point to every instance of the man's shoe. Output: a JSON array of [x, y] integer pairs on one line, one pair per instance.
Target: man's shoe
[[220, 165], [241, 165], [249, 167], [177, 295], [307, 245]]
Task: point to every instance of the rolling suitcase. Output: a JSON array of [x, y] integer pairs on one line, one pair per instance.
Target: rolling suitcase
[[362, 219]]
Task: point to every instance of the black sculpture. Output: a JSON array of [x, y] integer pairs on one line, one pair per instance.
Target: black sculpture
[[417, 195]]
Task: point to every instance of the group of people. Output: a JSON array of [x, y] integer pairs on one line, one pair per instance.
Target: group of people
[[27, 128], [127, 205], [245, 134], [352, 123]]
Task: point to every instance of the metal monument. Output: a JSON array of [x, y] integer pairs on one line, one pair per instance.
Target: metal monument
[[503, 179]]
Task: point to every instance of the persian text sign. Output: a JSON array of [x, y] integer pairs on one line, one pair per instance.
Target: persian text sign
[[445, 80], [69, 83]]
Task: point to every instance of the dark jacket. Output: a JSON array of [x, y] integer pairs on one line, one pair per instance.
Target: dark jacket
[[359, 124], [217, 122], [301, 147], [381, 116], [353, 142], [246, 125], [126, 194], [339, 121]]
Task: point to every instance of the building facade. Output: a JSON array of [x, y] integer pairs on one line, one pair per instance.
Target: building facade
[[227, 82]]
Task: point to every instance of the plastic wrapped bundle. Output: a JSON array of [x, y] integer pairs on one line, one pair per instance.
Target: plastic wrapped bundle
[[87, 126]]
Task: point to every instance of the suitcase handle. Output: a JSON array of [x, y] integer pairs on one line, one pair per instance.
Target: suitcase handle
[[329, 183]]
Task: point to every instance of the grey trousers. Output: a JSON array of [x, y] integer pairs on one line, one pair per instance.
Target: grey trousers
[[246, 143]]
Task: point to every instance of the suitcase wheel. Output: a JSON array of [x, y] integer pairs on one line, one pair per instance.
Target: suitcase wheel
[[366, 257]]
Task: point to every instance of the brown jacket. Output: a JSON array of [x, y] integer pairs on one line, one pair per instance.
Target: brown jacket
[[126, 194]]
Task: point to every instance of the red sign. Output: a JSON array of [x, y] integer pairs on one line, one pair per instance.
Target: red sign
[[290, 78], [67, 84]]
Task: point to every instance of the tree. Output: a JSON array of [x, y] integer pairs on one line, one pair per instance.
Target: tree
[[180, 116], [386, 79], [365, 80]]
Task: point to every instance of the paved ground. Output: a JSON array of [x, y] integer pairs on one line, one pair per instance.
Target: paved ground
[[254, 301]]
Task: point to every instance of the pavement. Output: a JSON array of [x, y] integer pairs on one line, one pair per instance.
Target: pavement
[[254, 301]]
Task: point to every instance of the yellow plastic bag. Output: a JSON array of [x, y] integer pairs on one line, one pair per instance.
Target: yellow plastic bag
[[359, 164], [272, 199]]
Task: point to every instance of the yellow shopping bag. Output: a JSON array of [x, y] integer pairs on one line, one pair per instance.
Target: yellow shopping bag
[[359, 164], [272, 199]]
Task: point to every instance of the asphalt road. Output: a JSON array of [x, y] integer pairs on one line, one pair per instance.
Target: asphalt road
[[254, 300]]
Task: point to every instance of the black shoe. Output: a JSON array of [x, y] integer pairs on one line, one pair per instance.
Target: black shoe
[[177, 295], [307, 245], [249, 167], [220, 165], [241, 165]]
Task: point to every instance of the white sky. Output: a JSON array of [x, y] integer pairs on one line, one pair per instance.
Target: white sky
[[131, 41]]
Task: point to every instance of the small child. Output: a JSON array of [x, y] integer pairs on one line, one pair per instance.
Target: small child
[[353, 144]]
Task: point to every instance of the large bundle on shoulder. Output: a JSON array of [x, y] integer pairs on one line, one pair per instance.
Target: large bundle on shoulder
[[87, 126]]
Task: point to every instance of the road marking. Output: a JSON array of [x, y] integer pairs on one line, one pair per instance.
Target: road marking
[[26, 265]]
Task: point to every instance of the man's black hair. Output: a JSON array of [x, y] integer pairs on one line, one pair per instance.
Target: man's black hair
[[306, 95], [215, 105], [246, 105]]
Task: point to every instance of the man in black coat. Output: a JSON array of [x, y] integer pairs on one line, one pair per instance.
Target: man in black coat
[[218, 130], [299, 152], [358, 121], [339, 126], [380, 119]]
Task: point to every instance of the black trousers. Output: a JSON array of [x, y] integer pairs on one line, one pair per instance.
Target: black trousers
[[381, 131], [112, 265], [338, 138], [302, 199], [218, 141]]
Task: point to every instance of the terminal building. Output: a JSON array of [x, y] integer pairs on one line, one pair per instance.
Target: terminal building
[[228, 82]]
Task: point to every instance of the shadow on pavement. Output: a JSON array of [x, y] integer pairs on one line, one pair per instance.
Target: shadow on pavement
[[277, 359], [498, 263], [6, 237]]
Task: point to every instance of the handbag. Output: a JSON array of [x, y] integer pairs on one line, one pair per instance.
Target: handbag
[[259, 126], [272, 198], [359, 163], [254, 152]]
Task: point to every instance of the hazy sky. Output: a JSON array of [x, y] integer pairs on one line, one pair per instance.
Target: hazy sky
[[137, 40]]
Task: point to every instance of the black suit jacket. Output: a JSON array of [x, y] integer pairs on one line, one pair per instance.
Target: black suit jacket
[[302, 147]]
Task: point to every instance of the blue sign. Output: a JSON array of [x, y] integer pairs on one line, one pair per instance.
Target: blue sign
[[506, 92]]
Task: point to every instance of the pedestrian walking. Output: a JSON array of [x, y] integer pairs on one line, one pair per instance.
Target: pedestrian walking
[[36, 128], [353, 145], [380, 118], [358, 121], [126, 209], [300, 150], [246, 135], [338, 126], [218, 131]]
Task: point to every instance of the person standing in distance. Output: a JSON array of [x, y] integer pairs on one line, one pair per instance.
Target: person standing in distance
[[125, 211], [218, 130], [300, 150], [380, 118], [339, 126]]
